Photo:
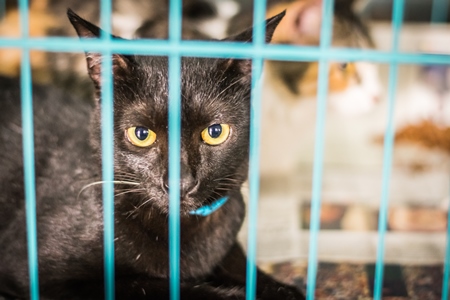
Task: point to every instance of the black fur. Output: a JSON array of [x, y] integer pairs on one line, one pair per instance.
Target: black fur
[[69, 218]]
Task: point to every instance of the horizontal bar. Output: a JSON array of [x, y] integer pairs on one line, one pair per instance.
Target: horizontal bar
[[223, 49]]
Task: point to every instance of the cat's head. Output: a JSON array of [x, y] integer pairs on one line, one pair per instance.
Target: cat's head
[[215, 116], [354, 87]]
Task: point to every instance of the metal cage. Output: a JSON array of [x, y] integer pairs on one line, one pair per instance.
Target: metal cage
[[175, 48]]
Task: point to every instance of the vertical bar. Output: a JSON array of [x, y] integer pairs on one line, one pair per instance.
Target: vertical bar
[[108, 173], [439, 12], [397, 17], [174, 174], [255, 122], [174, 147], [105, 18], [445, 279], [2, 9], [28, 156], [107, 124], [29, 171], [387, 166], [24, 23], [325, 43]]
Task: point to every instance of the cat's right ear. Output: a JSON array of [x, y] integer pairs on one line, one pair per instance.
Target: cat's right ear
[[121, 63]]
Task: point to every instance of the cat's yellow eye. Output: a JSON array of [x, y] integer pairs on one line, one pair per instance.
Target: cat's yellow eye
[[216, 134], [141, 136]]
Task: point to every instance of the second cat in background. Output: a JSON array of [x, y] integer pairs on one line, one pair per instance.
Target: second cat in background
[[290, 87]]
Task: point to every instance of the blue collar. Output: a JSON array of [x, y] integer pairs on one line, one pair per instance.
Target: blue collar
[[209, 209]]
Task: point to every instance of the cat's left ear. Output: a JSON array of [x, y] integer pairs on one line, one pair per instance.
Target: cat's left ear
[[243, 66], [121, 63]]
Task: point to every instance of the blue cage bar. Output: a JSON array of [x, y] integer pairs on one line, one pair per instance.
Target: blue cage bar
[[174, 48]]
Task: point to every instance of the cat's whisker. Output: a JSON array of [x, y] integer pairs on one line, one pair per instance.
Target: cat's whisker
[[122, 175], [143, 203], [138, 207], [223, 188], [126, 179], [229, 183], [215, 192], [104, 181], [227, 179], [130, 191]]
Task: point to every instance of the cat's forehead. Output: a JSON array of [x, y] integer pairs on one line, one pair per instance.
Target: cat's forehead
[[193, 70], [207, 92]]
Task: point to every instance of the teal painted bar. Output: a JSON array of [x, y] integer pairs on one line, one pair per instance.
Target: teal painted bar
[[255, 137], [29, 173], [386, 177], [325, 42], [439, 12], [317, 179], [259, 32], [108, 174], [28, 156], [105, 19], [222, 49], [174, 174], [2, 9], [174, 147], [397, 18], [23, 19], [107, 124], [446, 278]]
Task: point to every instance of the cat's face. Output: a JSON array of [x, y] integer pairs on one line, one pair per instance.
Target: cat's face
[[215, 103], [214, 131]]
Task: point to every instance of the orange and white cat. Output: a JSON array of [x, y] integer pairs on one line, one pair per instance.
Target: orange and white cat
[[290, 88]]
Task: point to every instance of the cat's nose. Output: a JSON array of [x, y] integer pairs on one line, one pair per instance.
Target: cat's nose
[[376, 99], [187, 181]]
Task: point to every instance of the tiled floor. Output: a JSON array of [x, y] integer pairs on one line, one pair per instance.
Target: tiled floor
[[355, 281]]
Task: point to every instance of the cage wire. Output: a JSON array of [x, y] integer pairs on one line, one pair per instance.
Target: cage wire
[[175, 48], [2, 9], [439, 12]]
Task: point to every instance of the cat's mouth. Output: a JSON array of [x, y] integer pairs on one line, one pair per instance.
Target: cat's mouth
[[191, 204], [194, 199]]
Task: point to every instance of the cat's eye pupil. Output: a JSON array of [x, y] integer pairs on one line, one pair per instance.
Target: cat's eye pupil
[[215, 130], [141, 133]]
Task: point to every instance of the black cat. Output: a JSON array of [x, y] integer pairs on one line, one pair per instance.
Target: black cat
[[214, 162]]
